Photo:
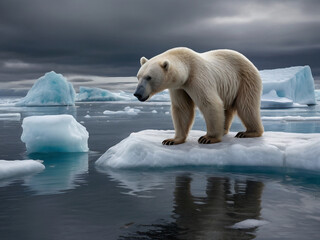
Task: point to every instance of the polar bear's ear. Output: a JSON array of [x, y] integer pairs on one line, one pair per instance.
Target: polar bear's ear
[[143, 60], [165, 65]]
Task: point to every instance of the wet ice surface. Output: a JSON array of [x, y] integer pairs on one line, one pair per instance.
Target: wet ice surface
[[72, 199]]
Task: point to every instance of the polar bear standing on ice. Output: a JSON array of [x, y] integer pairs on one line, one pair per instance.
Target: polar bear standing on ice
[[220, 83]]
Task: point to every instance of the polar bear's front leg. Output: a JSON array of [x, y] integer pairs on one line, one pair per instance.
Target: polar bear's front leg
[[213, 114], [182, 112]]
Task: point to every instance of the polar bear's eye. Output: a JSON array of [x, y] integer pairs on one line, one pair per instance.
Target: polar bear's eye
[[148, 78]]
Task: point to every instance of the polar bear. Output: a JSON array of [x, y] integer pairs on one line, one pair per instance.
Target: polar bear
[[220, 83]]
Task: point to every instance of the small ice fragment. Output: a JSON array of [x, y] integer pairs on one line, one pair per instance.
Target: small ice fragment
[[249, 223], [154, 111]]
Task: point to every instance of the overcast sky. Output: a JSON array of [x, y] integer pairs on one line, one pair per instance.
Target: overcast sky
[[107, 38]]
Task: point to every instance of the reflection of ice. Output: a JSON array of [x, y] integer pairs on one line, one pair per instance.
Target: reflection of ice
[[138, 183], [63, 172]]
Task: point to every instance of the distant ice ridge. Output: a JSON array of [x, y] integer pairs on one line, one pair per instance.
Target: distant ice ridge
[[98, 94], [54, 133], [274, 149], [87, 94], [15, 168], [10, 116], [287, 87], [49, 90]]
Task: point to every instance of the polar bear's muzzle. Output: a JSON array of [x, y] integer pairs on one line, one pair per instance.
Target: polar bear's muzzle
[[140, 93]]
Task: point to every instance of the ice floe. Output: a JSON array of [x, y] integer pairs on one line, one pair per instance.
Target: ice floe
[[54, 133], [274, 149], [52, 89], [16, 168]]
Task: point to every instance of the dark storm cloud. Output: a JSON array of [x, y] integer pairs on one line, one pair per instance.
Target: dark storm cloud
[[101, 37]]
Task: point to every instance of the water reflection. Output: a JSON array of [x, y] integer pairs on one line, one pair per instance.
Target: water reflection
[[210, 215], [63, 172]]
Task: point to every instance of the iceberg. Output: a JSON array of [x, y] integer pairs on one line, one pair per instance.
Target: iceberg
[[16, 168], [98, 94], [52, 89], [273, 149], [54, 133], [287, 87]]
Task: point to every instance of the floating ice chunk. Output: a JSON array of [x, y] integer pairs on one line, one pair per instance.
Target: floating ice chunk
[[54, 133], [87, 116], [272, 100], [294, 83], [98, 94], [249, 223], [274, 149], [291, 118], [17, 168], [167, 113], [154, 111], [127, 110], [51, 89], [10, 116]]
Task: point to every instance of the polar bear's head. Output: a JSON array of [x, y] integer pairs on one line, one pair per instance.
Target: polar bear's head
[[156, 75]]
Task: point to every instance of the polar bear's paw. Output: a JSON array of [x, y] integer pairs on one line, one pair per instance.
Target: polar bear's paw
[[208, 140], [248, 134], [172, 141]]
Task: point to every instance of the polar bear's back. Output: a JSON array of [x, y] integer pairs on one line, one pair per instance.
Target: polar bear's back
[[231, 71]]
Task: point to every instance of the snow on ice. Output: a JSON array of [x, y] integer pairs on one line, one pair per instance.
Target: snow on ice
[[54, 133], [274, 149], [98, 94], [51, 89], [15, 168]]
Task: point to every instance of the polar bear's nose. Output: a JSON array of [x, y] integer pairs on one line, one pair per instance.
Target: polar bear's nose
[[139, 92], [137, 95]]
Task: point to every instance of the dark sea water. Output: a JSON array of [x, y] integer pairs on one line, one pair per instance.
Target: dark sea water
[[72, 199]]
